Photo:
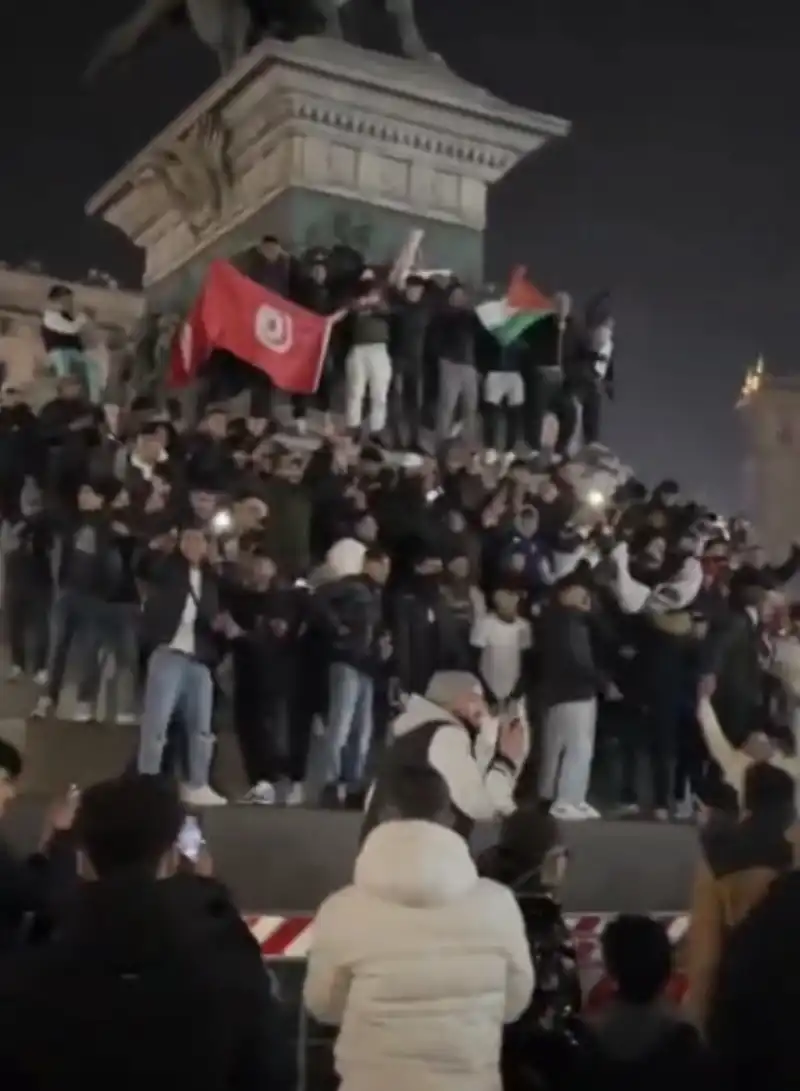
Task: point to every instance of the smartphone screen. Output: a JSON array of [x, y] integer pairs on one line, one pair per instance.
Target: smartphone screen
[[190, 839]]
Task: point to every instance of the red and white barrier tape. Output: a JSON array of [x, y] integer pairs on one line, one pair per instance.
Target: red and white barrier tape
[[290, 937]]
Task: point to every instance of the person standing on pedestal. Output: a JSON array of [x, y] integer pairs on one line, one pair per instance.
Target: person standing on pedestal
[[409, 325], [546, 349], [269, 265], [368, 368], [453, 334]]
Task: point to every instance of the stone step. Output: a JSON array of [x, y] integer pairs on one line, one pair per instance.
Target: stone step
[[58, 752]]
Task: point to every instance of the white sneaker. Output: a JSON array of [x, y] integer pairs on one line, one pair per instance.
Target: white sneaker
[[83, 714], [296, 796], [42, 709], [491, 456], [202, 797], [301, 426], [661, 814], [41, 678], [126, 719], [566, 812], [588, 811], [14, 674], [685, 811], [628, 810], [262, 793]]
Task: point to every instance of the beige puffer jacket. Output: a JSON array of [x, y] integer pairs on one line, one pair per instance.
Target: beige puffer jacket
[[420, 963]]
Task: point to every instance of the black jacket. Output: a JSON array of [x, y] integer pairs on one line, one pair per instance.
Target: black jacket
[[634, 1046], [32, 888], [20, 454], [417, 633], [209, 463], [408, 328], [350, 611], [732, 653], [452, 335], [542, 345], [275, 276], [313, 296], [28, 558], [146, 982], [265, 657], [566, 665], [166, 579], [91, 562]]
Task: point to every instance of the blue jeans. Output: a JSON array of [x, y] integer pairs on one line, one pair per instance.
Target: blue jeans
[[177, 683], [86, 623], [73, 363], [349, 725]]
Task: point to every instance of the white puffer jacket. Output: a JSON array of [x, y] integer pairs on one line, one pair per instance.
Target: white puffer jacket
[[785, 666], [420, 963]]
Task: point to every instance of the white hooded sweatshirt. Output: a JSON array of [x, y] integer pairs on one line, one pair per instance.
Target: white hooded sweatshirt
[[420, 963]]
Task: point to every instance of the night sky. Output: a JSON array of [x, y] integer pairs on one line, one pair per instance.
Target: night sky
[[677, 189]]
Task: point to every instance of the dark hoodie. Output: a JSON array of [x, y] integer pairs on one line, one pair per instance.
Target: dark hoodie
[[634, 1046], [147, 982]]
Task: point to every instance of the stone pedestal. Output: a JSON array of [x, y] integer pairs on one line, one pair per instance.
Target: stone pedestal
[[320, 142]]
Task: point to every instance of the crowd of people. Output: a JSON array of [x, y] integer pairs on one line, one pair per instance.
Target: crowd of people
[[122, 958], [310, 594], [467, 620]]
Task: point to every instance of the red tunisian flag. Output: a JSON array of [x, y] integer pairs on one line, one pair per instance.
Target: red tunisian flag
[[262, 328]]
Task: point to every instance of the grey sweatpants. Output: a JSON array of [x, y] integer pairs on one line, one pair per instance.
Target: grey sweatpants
[[567, 751], [457, 383]]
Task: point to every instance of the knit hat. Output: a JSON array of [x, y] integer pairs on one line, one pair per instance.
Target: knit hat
[[346, 557], [448, 687]]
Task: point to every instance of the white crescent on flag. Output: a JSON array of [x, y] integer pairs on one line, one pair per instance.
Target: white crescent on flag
[[274, 329]]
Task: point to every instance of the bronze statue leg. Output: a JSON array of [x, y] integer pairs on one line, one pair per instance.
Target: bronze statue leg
[[411, 40], [224, 26], [329, 10]]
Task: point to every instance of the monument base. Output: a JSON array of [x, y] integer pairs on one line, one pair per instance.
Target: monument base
[[320, 142]]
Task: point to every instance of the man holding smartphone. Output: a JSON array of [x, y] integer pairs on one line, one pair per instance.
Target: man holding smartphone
[[154, 953]]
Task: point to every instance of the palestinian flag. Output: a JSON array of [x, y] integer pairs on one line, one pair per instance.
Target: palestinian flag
[[522, 306]]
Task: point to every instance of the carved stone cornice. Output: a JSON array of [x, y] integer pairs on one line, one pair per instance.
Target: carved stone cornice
[[195, 172], [322, 116], [461, 153]]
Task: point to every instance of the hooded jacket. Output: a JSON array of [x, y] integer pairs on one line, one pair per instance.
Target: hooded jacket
[[420, 963], [481, 783], [144, 982], [631, 1046]]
